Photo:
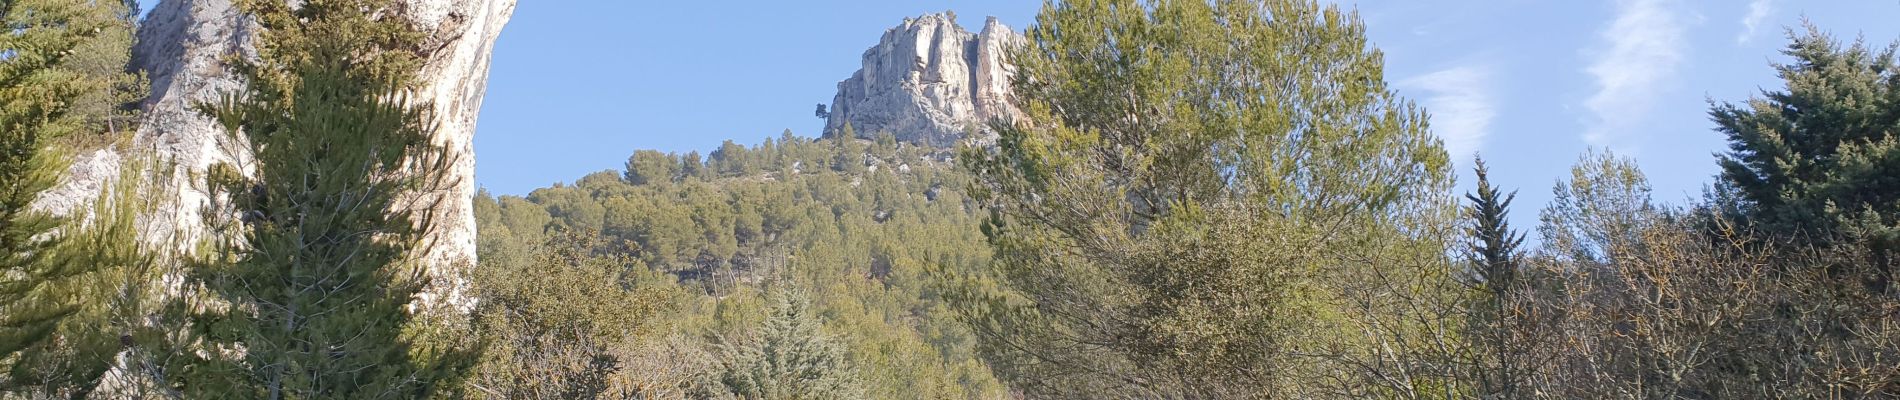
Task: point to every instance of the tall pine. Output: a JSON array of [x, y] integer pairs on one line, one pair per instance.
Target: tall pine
[[1494, 251], [324, 264], [1494, 246], [54, 53], [1208, 200]]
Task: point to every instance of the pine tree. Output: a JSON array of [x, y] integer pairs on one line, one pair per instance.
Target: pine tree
[[1199, 194], [732, 160], [693, 167], [324, 264], [106, 108], [1599, 213], [47, 278], [647, 167], [792, 359], [846, 156]]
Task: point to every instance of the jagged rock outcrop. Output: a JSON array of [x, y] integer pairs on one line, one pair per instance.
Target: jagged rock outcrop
[[182, 45], [928, 81]]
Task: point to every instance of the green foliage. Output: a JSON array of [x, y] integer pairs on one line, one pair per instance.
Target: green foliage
[[1494, 251], [693, 166], [1629, 300], [54, 271], [1748, 295], [563, 325], [1209, 200], [1814, 162], [1494, 246], [791, 358], [106, 108], [27, 168], [1600, 212], [68, 67], [109, 300], [100, 300], [1212, 200], [648, 167], [732, 160], [321, 268], [1203, 200], [858, 242]]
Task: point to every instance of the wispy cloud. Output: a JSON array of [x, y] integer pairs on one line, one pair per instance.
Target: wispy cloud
[[1758, 12], [1459, 99], [1641, 50]]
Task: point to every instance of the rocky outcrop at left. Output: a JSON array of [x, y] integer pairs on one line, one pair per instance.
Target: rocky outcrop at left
[[182, 49]]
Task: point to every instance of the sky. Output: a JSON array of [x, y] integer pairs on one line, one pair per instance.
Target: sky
[[577, 85]]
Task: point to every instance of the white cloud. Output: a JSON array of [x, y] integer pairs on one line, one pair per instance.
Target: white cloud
[[1642, 49], [1459, 99], [1758, 12]]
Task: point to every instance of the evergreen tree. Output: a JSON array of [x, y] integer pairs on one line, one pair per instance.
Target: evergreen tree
[[1493, 250], [652, 167], [732, 159], [48, 267], [323, 267], [769, 159], [648, 167], [1814, 162], [1494, 245], [1210, 200], [845, 154], [791, 359], [107, 108], [694, 167]]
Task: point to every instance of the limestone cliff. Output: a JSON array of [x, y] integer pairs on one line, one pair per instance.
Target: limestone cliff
[[928, 81], [181, 48]]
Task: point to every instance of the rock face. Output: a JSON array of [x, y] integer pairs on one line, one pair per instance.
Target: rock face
[[181, 48], [928, 81]]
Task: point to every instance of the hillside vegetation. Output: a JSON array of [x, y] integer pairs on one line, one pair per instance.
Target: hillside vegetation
[[1200, 200]]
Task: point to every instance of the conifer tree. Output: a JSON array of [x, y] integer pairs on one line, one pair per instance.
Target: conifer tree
[[692, 166], [1814, 162], [1494, 245], [106, 109], [1209, 200], [31, 116], [324, 263], [791, 359], [844, 155], [1493, 249], [732, 159], [46, 273], [647, 167]]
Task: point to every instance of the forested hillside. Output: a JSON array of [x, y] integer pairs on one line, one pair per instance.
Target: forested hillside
[[858, 228]]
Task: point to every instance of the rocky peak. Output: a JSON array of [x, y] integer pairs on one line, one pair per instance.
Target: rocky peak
[[928, 81]]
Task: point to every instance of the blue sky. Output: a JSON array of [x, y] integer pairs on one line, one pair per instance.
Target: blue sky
[[578, 85]]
